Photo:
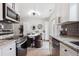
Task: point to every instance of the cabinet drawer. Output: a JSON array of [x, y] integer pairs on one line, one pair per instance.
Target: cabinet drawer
[[9, 50], [67, 51]]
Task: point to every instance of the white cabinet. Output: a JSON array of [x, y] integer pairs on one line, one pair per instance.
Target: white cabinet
[[67, 51], [0, 51], [63, 12], [74, 12], [8, 49], [54, 30], [17, 8], [1, 12], [68, 12], [50, 44]]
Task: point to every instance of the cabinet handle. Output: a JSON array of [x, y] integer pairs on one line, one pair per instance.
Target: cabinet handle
[[10, 48], [65, 50]]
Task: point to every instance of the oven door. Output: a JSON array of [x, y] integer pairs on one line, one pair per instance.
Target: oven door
[[19, 50]]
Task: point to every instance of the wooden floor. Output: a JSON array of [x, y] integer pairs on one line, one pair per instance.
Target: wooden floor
[[43, 51]]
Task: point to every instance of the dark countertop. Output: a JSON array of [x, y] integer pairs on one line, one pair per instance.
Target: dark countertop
[[67, 41]]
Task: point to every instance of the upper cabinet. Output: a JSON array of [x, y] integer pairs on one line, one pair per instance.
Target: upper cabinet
[[17, 8], [74, 12], [8, 13], [1, 13], [62, 12], [69, 13]]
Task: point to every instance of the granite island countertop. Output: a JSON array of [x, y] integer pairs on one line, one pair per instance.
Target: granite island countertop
[[67, 41]]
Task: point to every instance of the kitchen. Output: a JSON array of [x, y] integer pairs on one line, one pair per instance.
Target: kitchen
[[49, 29]]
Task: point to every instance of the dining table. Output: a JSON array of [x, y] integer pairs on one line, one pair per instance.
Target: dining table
[[33, 35]]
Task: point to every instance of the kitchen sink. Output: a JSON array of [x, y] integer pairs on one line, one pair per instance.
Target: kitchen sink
[[76, 43]]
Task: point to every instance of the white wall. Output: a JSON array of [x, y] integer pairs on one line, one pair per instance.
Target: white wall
[[30, 22], [46, 30]]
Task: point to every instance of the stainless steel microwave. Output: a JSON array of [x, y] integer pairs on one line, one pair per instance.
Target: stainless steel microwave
[[9, 13]]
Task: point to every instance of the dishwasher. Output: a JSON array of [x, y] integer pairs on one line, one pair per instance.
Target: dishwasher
[[55, 47]]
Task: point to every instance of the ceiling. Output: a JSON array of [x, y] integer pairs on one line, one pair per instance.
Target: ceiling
[[40, 9]]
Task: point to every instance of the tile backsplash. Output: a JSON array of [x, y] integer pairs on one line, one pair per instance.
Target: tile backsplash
[[6, 26], [72, 29]]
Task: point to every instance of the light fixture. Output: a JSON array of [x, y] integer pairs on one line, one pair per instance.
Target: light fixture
[[34, 13]]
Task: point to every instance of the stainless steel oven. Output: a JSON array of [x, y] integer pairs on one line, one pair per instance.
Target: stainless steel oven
[[9, 13]]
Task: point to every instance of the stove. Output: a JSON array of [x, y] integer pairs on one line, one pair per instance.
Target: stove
[[76, 43]]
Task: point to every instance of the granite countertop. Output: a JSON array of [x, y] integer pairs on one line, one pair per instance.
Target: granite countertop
[[5, 42], [11, 37], [67, 41], [33, 34]]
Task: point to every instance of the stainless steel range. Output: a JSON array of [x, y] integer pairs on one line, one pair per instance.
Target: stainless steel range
[[21, 51]]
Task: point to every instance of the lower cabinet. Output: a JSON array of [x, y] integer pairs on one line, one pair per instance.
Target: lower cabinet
[[54, 46], [0, 52], [50, 45], [67, 51], [59, 49], [8, 49]]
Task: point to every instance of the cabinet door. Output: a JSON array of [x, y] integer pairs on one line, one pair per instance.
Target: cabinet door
[[62, 50], [63, 12], [50, 45], [9, 50], [73, 12], [16, 7], [0, 51], [1, 12], [67, 51]]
